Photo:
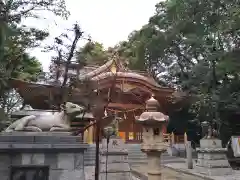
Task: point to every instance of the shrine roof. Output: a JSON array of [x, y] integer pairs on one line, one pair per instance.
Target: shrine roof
[[93, 71], [127, 75], [140, 81], [115, 67]]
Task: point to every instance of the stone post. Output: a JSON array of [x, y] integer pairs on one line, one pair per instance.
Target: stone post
[[172, 138], [90, 134], [189, 155], [85, 136], [114, 160]]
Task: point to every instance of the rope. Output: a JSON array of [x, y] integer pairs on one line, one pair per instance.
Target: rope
[[126, 111]]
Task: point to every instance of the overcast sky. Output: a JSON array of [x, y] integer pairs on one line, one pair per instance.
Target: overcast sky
[[107, 21]]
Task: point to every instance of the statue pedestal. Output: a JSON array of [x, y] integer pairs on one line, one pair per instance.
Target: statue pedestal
[[114, 160], [154, 165], [212, 159], [154, 152], [60, 153]]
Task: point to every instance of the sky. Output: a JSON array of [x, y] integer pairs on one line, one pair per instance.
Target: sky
[[106, 21]]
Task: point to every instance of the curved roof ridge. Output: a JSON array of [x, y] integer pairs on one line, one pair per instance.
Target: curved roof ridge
[[127, 75], [105, 67], [98, 70]]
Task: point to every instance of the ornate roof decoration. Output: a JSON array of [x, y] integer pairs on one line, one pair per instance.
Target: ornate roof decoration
[[113, 62]]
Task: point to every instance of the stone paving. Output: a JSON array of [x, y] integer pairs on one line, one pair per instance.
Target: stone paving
[[173, 171], [180, 167], [89, 174], [167, 174]]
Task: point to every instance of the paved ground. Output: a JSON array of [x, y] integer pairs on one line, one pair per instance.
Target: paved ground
[[180, 167], [167, 173], [89, 172], [175, 169], [166, 159], [172, 171]]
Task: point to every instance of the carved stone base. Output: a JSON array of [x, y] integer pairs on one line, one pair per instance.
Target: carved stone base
[[114, 160], [212, 160], [62, 154]]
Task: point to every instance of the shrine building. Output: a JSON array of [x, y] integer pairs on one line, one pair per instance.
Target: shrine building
[[131, 89]]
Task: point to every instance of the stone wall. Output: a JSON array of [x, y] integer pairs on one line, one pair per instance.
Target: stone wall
[[65, 161], [61, 165]]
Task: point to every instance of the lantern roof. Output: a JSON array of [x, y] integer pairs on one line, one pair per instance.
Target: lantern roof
[[152, 116], [152, 104]]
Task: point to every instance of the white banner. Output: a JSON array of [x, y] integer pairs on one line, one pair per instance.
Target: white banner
[[236, 145]]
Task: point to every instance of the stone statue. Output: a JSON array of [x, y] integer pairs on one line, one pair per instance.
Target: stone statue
[[58, 121], [112, 128], [114, 124], [209, 132]]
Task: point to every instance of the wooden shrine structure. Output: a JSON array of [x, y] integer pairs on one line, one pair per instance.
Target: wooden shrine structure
[[131, 90]]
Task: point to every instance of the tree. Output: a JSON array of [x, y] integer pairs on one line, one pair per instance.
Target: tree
[[132, 51], [16, 38], [93, 53], [17, 9], [65, 48], [194, 45]]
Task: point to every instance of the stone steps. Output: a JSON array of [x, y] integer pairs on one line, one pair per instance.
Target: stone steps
[[135, 155]]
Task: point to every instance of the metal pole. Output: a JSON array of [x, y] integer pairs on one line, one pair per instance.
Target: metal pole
[[108, 138], [97, 149]]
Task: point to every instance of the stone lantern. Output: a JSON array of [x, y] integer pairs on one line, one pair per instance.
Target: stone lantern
[[153, 145]]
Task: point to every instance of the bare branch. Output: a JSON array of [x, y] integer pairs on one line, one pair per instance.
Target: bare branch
[[78, 35]]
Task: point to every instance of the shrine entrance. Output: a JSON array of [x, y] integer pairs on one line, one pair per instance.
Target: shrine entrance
[[129, 131]]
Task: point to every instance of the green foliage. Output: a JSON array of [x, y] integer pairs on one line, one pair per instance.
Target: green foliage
[[16, 39], [92, 53], [132, 51], [200, 49], [194, 46], [19, 9]]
